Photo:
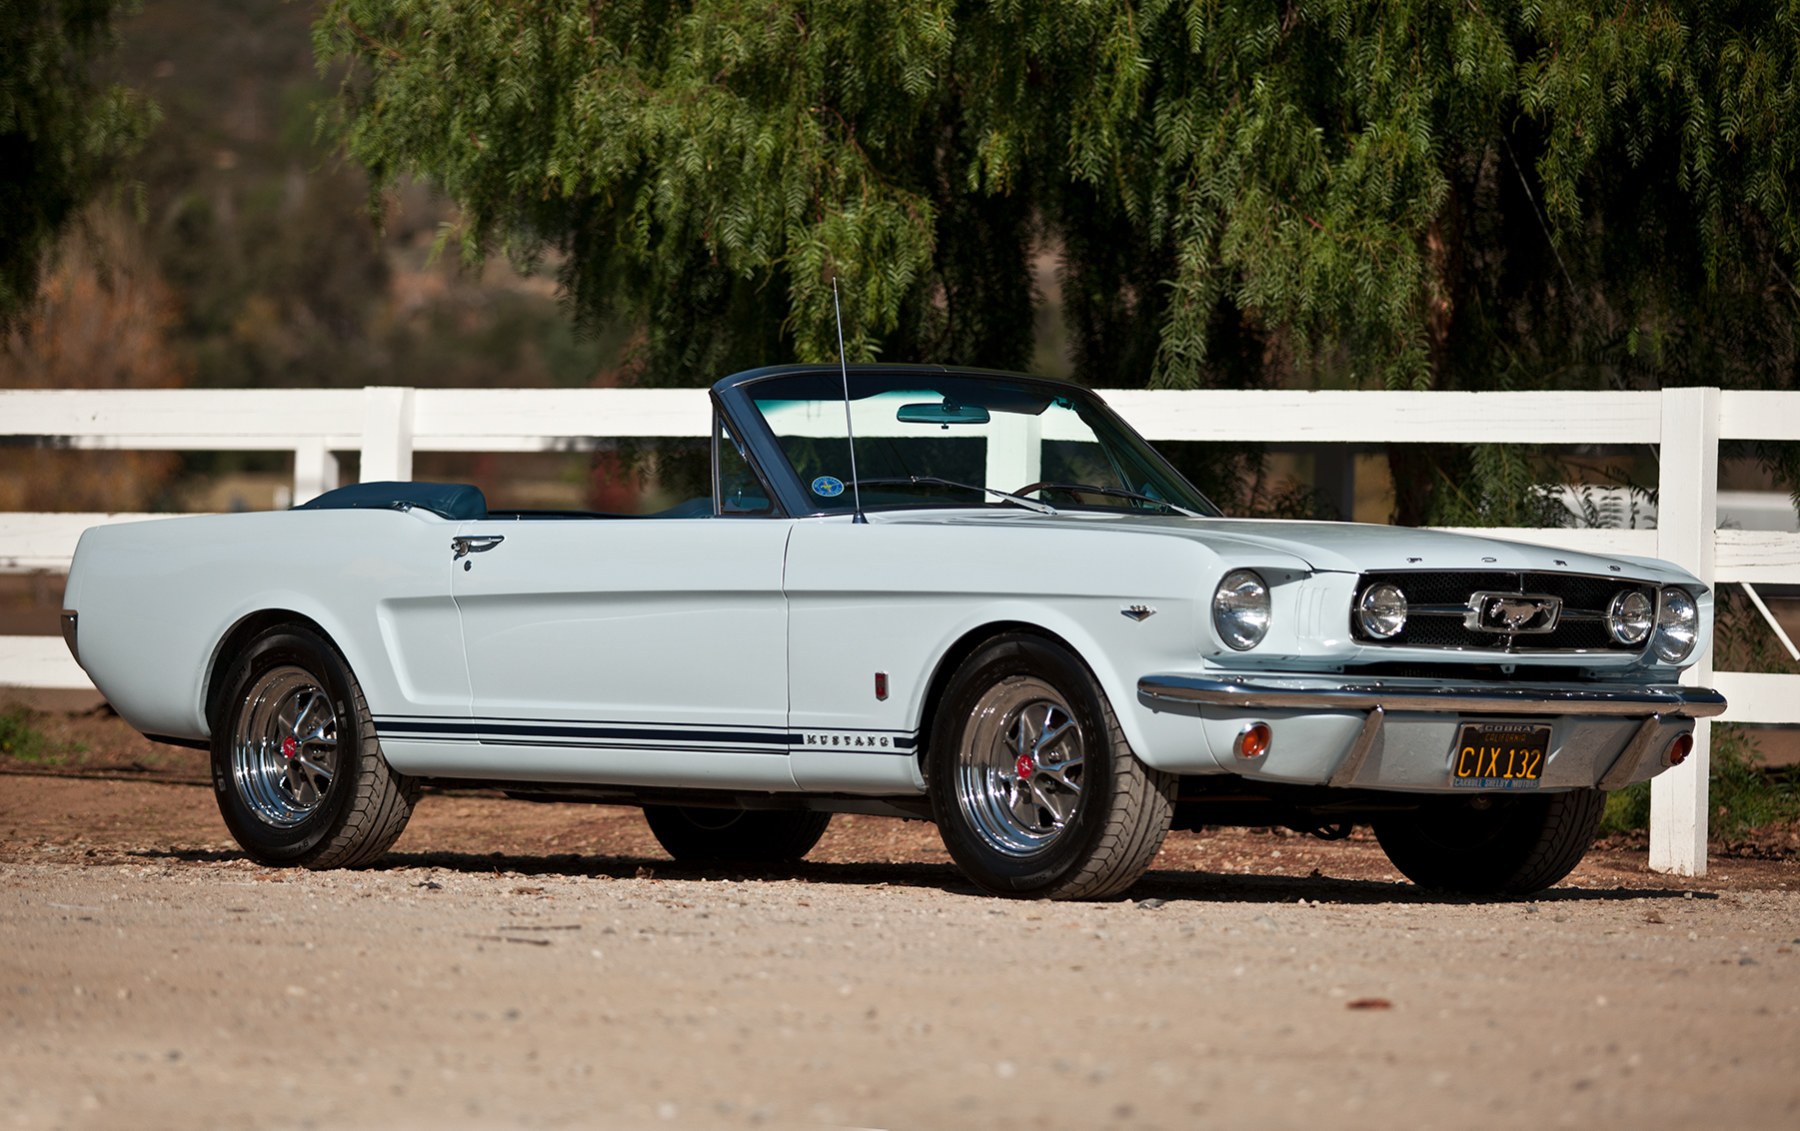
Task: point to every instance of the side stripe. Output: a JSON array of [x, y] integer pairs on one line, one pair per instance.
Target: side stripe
[[625, 736]]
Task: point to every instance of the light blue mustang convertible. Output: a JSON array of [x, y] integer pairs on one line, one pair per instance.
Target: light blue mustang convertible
[[996, 608]]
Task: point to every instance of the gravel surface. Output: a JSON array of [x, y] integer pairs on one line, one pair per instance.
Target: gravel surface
[[525, 965]]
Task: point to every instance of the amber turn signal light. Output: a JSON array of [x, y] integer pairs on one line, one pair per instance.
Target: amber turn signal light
[[1679, 750], [1252, 741]]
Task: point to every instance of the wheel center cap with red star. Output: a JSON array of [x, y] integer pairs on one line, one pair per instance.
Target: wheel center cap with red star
[[1025, 767], [289, 747]]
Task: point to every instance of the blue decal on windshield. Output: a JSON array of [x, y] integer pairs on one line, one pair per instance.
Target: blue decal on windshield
[[827, 487]]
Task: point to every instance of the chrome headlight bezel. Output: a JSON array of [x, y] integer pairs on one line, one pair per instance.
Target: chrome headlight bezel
[[1677, 625], [1381, 611], [1630, 618], [1241, 609]]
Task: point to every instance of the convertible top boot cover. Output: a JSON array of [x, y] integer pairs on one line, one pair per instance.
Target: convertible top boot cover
[[456, 501]]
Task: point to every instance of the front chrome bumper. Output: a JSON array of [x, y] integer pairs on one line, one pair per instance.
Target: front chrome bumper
[[1399, 715], [1668, 700]]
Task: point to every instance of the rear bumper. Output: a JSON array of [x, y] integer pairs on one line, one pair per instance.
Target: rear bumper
[[1667, 700]]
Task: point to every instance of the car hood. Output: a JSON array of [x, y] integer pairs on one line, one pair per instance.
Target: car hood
[[1341, 547]]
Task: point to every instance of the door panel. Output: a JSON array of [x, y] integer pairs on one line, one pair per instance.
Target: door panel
[[641, 651]]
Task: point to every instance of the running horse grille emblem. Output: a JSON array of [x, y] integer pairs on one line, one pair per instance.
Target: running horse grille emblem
[[1512, 614]]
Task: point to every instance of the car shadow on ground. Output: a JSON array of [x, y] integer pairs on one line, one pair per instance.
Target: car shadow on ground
[[1215, 887], [1158, 888]]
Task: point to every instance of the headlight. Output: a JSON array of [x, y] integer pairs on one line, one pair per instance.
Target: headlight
[[1381, 613], [1677, 626], [1241, 609], [1630, 617]]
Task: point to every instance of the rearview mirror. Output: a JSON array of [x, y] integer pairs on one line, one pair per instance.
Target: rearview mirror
[[945, 414]]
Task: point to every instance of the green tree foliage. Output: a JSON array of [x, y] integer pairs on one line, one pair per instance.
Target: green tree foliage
[[702, 170], [61, 131], [1415, 194]]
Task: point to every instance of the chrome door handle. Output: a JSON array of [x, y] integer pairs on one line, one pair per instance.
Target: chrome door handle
[[466, 544]]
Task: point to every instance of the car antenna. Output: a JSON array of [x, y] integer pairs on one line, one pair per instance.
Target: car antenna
[[844, 372]]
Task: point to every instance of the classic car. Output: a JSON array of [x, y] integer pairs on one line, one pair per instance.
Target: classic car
[[969, 597]]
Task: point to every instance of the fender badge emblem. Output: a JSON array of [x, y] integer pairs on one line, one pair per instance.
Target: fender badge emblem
[[1138, 612]]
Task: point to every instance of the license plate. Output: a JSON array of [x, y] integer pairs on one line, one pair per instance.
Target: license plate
[[1499, 755]]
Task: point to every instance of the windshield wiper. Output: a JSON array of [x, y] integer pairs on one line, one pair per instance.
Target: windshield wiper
[[1115, 492], [932, 480]]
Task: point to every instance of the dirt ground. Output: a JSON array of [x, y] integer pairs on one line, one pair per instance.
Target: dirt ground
[[525, 965]]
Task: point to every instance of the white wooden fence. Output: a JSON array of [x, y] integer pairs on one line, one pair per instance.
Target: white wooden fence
[[387, 425]]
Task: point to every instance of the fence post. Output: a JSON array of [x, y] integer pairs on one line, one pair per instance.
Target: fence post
[[1687, 533], [315, 470], [387, 443]]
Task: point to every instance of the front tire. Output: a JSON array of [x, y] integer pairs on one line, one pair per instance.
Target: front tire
[[1034, 789], [1493, 845], [763, 836], [296, 765]]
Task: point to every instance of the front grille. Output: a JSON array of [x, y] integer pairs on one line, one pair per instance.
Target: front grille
[[1438, 602]]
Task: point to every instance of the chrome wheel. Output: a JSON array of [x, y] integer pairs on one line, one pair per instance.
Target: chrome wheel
[[284, 747], [1019, 770], [1032, 783], [296, 764]]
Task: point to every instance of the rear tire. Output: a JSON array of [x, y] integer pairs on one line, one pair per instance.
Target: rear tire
[[297, 769], [1514, 846], [760, 836], [1033, 786]]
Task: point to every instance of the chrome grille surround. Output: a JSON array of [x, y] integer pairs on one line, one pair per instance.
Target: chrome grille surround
[[1444, 610]]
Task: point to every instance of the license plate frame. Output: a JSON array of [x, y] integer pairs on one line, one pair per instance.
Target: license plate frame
[[1499, 755]]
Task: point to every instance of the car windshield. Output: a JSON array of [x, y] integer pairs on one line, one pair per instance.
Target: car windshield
[[930, 439]]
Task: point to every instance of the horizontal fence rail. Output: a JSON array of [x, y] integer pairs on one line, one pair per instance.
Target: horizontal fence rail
[[387, 425]]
